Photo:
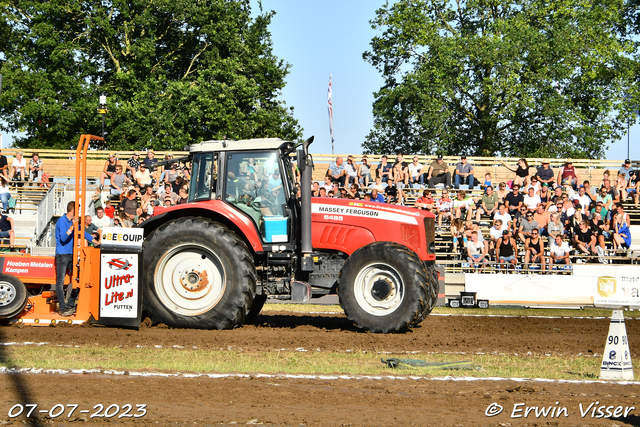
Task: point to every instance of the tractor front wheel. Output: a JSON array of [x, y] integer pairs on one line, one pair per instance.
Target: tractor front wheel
[[383, 287]]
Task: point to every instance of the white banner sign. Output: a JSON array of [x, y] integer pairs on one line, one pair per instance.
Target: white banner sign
[[118, 237], [613, 285], [119, 285], [530, 289]]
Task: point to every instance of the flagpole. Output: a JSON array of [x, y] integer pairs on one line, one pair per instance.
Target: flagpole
[[330, 109]]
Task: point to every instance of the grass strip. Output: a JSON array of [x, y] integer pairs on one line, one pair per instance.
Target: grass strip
[[291, 362], [492, 311]]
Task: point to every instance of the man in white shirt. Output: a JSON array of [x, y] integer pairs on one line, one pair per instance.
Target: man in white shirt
[[142, 177], [583, 199], [476, 252], [504, 216], [18, 166], [559, 251], [415, 172], [531, 200], [100, 220]]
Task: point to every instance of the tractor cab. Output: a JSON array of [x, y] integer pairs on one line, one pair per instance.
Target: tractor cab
[[254, 176]]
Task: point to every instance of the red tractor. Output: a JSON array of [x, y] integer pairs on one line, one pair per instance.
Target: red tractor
[[246, 232]]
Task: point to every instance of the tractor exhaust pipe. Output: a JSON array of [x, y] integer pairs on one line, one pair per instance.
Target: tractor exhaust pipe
[[305, 164]]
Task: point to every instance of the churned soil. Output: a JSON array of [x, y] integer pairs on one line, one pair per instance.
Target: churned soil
[[329, 401]]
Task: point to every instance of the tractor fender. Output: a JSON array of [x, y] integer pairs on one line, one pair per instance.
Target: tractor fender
[[339, 237], [215, 210]]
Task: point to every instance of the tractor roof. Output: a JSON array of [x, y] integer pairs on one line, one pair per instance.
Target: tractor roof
[[242, 145]]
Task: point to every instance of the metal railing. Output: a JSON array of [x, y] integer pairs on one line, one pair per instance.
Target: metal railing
[[46, 210]]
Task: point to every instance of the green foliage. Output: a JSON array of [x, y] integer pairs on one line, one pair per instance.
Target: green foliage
[[174, 72], [499, 77]]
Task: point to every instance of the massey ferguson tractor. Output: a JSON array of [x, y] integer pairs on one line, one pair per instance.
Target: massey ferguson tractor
[[246, 232]]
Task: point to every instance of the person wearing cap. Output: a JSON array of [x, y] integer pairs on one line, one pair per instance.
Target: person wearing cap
[[439, 173], [463, 174], [567, 175], [133, 164], [545, 173], [626, 169], [109, 169]]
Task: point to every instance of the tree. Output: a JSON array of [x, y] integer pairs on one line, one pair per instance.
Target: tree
[[174, 72], [499, 77]]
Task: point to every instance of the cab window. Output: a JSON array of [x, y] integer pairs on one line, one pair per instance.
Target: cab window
[[253, 184], [203, 173]]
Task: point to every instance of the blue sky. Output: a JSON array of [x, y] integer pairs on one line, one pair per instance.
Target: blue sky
[[327, 38], [319, 39]]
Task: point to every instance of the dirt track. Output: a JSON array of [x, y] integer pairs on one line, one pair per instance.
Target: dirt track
[[288, 401]]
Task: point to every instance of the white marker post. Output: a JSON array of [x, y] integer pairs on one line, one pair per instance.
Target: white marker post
[[616, 360]]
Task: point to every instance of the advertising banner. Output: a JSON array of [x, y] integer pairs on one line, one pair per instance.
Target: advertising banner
[[613, 285], [122, 239], [24, 267], [119, 291], [530, 289]]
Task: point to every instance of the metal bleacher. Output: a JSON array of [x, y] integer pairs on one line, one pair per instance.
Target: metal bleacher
[[37, 206]]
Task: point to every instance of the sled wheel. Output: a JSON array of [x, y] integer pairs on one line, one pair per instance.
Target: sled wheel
[[13, 296]]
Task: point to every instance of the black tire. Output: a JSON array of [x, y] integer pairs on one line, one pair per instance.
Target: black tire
[[197, 274], [258, 303], [13, 296], [383, 287], [433, 288]]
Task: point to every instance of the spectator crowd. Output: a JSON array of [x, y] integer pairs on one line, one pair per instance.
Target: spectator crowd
[[544, 214]]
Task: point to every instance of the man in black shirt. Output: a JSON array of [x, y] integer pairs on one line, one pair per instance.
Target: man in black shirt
[[391, 193], [545, 174], [514, 200]]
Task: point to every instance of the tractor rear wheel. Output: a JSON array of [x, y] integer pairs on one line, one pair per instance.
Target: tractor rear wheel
[[197, 274], [432, 291], [13, 296], [383, 287]]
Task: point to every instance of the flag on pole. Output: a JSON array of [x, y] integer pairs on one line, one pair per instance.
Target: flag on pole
[[330, 108]]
